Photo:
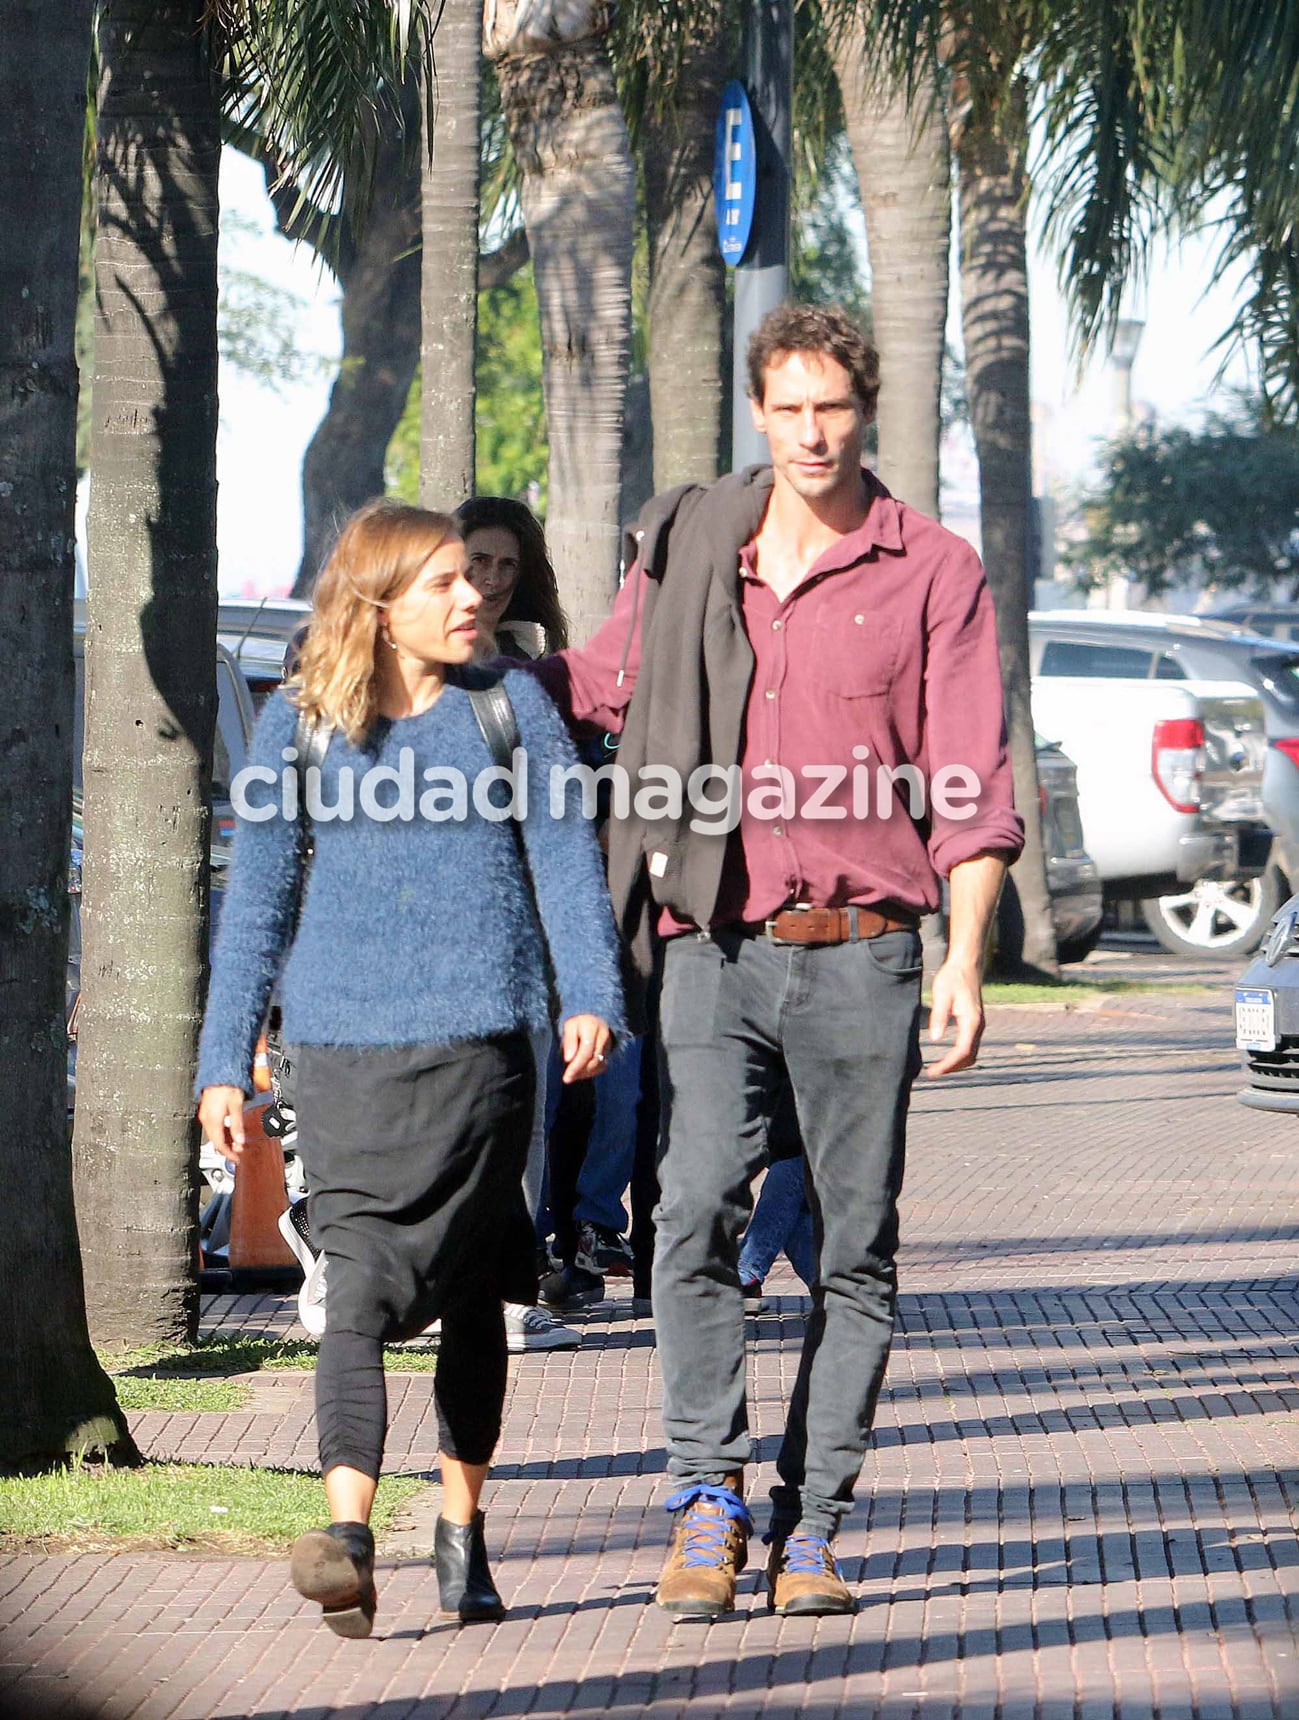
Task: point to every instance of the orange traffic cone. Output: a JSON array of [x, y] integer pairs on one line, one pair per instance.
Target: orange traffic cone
[[258, 1200]]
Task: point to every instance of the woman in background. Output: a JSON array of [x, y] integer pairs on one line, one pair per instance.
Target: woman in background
[[511, 569]]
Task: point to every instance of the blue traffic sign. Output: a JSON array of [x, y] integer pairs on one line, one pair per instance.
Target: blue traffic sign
[[735, 172]]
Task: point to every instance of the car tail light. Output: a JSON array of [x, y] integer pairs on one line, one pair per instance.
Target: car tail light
[[1177, 761], [1289, 745]]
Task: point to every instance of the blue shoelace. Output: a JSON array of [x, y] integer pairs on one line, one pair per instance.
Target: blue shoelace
[[704, 1541], [807, 1555]]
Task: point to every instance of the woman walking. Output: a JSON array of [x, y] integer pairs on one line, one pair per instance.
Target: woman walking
[[511, 570], [415, 938]]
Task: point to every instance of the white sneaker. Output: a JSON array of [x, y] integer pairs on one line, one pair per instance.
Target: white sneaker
[[533, 1329], [311, 1298]]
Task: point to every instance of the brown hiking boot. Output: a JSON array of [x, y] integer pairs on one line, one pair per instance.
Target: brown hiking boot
[[710, 1542], [802, 1577]]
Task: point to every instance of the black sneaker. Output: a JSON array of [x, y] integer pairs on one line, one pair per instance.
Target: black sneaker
[[752, 1293], [296, 1231], [571, 1288], [602, 1251]]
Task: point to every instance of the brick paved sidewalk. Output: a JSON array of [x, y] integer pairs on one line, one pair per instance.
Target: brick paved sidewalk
[[1080, 1503]]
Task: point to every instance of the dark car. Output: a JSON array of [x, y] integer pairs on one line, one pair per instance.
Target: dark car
[[1275, 620], [1072, 879], [1267, 1016]]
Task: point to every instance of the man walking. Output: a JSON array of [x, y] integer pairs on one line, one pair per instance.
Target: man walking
[[829, 655]]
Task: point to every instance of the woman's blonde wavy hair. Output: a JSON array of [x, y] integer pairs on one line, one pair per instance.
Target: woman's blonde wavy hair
[[378, 553]]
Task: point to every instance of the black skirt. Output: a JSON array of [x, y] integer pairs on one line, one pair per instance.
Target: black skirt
[[414, 1158]]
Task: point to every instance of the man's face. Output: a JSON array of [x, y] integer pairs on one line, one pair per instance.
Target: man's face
[[813, 423]]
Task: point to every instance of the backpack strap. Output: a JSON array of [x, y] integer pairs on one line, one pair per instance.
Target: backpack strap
[[496, 720], [311, 740]]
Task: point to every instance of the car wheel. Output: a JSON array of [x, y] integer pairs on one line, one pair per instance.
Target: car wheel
[[1215, 919]]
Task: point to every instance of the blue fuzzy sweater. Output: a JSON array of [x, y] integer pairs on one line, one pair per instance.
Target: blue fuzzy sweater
[[411, 932]]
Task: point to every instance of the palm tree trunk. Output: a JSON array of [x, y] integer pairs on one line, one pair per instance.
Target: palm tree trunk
[[449, 287], [902, 157], [58, 1400], [687, 298], [578, 192], [150, 670], [994, 305], [378, 271]]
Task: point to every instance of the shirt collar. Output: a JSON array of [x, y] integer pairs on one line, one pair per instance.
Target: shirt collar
[[881, 529]]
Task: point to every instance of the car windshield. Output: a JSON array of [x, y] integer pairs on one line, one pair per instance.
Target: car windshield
[[1279, 674]]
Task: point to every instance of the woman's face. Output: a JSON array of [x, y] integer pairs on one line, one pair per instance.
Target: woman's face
[[435, 618], [494, 569]]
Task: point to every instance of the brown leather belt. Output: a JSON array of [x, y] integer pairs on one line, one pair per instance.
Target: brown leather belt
[[808, 925]]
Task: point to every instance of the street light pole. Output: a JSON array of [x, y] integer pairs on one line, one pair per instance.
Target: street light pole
[[1123, 354], [762, 278]]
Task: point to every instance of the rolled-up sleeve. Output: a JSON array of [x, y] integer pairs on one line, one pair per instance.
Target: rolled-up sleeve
[[972, 797], [591, 685]]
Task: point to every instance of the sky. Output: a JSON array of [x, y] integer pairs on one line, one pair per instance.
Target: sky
[[264, 432]]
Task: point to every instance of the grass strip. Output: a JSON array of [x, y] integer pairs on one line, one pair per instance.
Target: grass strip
[[178, 1506], [137, 1391], [224, 1354], [1073, 990]]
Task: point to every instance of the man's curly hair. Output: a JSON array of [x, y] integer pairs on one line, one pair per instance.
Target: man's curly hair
[[825, 329]]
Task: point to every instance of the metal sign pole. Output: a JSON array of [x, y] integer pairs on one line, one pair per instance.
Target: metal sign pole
[[762, 276]]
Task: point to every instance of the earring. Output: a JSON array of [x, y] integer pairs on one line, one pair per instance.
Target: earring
[[386, 636]]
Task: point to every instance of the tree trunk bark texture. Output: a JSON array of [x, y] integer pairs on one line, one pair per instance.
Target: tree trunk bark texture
[[902, 157], [150, 671], [58, 1400], [994, 304], [449, 320], [687, 299], [379, 277], [578, 193]]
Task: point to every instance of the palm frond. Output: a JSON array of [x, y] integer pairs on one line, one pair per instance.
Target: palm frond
[[320, 79], [1101, 169]]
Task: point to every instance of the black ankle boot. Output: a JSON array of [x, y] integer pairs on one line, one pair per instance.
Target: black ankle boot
[[335, 1566], [464, 1580]]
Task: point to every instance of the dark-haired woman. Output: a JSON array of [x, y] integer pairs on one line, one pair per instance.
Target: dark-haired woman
[[412, 964], [510, 566], [511, 569]]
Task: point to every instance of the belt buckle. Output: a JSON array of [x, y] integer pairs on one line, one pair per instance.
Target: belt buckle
[[769, 926]]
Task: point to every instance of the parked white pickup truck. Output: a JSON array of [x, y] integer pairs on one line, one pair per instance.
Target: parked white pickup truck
[[1170, 778]]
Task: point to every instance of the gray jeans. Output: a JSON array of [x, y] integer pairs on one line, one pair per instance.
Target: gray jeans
[[843, 1019]]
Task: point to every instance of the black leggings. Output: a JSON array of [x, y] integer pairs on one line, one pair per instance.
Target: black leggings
[[414, 1157], [468, 1391]]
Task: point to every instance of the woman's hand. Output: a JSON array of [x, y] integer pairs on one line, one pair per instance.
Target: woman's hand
[[221, 1112], [585, 1046]]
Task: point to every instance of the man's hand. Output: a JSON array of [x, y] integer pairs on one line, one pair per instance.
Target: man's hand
[[958, 996], [958, 984], [585, 1047], [221, 1112]]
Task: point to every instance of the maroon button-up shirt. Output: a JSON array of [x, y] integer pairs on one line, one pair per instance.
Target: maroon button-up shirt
[[883, 657]]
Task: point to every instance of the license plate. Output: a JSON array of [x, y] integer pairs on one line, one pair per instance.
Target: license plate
[[1255, 1020]]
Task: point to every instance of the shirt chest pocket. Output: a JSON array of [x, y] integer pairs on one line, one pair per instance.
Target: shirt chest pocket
[[857, 653]]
